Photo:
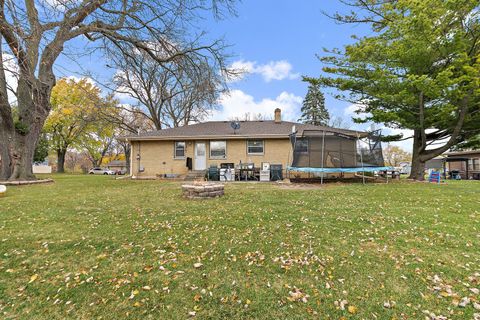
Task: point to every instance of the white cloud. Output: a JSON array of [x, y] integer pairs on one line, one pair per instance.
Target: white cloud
[[78, 79], [11, 75], [237, 103], [351, 109], [406, 145], [273, 70]]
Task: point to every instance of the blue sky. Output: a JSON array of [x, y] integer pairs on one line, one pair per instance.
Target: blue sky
[[277, 33], [270, 35], [277, 41]]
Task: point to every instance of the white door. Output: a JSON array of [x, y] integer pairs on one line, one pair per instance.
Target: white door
[[200, 156]]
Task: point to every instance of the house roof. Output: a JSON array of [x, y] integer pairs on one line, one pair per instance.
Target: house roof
[[461, 153], [248, 129]]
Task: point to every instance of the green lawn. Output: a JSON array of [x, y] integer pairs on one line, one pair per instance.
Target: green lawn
[[91, 247]]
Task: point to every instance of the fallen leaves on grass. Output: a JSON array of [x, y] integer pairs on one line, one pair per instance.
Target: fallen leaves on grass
[[352, 309], [297, 295]]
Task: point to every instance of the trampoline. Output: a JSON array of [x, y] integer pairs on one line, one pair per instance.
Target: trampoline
[[323, 151]]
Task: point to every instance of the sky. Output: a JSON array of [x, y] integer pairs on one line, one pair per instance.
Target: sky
[[277, 42]]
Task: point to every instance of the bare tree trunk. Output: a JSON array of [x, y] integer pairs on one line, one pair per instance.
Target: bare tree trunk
[[61, 160], [33, 108], [24, 149], [5, 144], [22, 155]]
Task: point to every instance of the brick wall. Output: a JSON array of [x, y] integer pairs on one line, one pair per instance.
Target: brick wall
[[157, 157]]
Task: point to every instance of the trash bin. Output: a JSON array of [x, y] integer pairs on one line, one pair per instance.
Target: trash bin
[[213, 174], [276, 172]]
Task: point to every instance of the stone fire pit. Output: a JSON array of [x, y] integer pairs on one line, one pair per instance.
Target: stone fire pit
[[202, 190]]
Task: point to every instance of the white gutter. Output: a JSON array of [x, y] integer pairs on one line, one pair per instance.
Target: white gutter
[[198, 137]]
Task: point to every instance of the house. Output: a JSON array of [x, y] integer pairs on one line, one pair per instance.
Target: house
[[117, 166], [467, 163], [176, 151], [405, 167]]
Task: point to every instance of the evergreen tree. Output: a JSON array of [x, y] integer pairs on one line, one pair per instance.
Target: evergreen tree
[[313, 109], [417, 70]]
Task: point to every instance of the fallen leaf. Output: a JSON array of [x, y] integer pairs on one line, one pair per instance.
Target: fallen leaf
[[148, 268], [33, 278], [464, 302]]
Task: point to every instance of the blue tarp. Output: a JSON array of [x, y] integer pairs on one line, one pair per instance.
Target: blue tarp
[[332, 170]]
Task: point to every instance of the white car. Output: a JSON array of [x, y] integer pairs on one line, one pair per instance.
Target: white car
[[101, 171]]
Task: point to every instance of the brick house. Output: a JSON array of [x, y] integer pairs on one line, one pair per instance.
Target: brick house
[[466, 162], [178, 151]]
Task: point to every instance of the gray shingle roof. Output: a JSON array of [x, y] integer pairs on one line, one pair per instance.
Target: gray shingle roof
[[222, 129], [117, 163]]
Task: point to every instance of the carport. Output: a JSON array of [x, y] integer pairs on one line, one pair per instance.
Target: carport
[[454, 159]]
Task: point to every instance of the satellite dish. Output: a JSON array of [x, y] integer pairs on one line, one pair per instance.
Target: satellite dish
[[235, 126]]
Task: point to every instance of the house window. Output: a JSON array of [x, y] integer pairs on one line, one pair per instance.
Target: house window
[[179, 149], [301, 145], [218, 149], [474, 164], [255, 146]]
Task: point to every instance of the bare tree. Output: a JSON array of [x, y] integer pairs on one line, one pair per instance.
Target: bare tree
[[127, 120], [170, 94], [72, 159], [35, 33], [247, 116], [339, 122]]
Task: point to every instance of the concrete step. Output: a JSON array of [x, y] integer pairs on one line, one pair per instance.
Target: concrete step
[[195, 174]]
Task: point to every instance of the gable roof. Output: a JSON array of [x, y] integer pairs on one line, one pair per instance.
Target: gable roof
[[248, 129]]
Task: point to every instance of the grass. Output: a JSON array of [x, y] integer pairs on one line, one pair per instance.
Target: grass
[[91, 247]]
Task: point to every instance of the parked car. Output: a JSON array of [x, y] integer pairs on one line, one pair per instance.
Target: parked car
[[121, 171], [101, 171]]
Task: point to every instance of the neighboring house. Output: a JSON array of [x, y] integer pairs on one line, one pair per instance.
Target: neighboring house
[[117, 165], [466, 162], [405, 168], [176, 151], [435, 163]]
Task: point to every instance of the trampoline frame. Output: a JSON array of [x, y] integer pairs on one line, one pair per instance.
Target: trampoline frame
[[358, 137]]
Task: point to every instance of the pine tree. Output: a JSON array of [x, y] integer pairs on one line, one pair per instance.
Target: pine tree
[[313, 109]]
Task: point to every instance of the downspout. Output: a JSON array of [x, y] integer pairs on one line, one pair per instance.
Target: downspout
[[131, 162], [138, 158]]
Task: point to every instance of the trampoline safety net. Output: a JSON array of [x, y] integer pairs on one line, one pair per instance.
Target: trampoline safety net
[[325, 151]]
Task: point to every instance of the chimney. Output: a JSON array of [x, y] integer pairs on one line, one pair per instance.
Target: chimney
[[278, 115]]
